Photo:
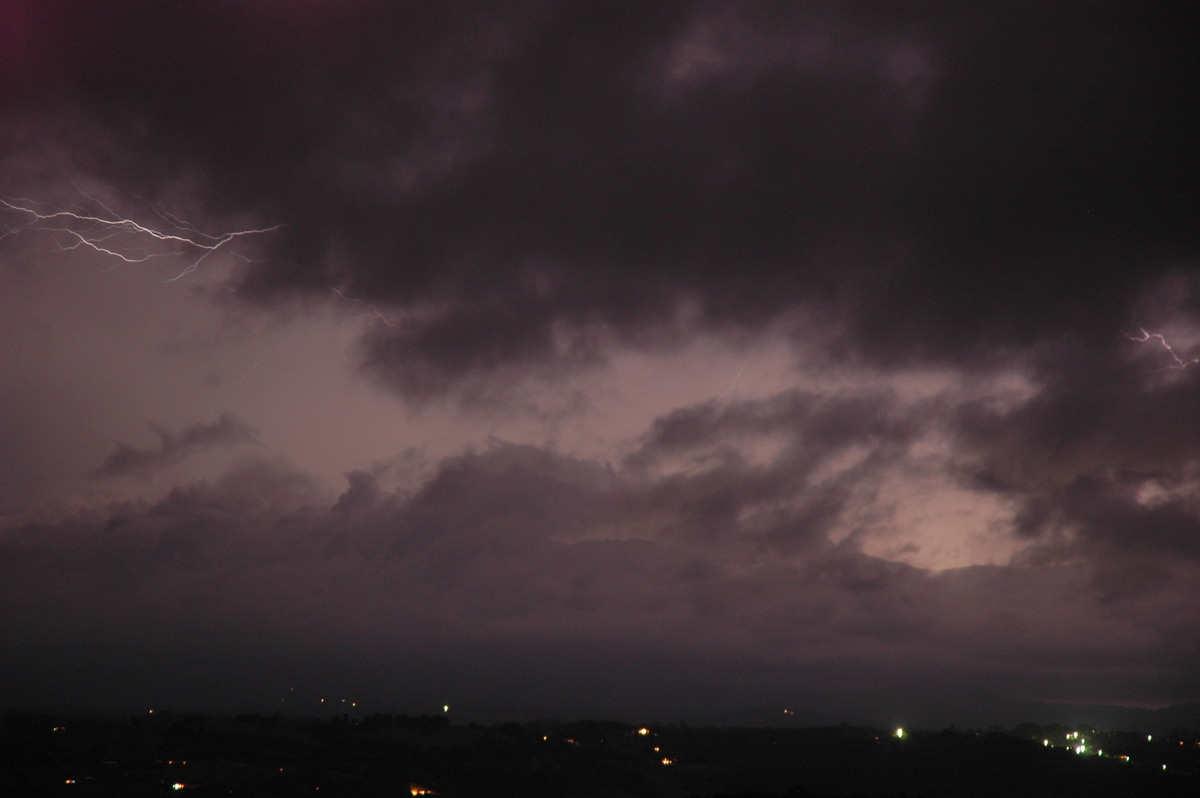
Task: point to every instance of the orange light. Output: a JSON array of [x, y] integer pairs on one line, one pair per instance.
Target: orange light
[[666, 760], [643, 731]]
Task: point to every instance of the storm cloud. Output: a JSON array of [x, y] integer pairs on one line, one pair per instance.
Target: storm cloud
[[832, 344]]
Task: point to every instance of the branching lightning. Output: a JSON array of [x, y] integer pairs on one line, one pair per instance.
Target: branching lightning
[[108, 233], [735, 385], [368, 308], [1179, 363]]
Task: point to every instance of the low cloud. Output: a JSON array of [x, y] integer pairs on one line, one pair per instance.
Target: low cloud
[[718, 563]]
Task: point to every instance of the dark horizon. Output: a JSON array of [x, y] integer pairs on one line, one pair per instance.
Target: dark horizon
[[680, 357], [380, 755], [866, 709]]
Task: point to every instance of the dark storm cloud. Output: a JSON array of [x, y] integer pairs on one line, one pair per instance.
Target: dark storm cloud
[[226, 432], [823, 422], [1102, 462], [779, 504], [514, 191], [534, 561], [535, 184]]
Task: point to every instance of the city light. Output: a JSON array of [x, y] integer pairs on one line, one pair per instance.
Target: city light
[[900, 734], [643, 731]]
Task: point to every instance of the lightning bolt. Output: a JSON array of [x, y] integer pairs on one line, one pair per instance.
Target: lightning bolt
[[108, 233], [1180, 363], [369, 308], [735, 384], [234, 386]]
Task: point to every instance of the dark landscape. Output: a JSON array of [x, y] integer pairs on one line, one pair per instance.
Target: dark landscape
[[388, 755]]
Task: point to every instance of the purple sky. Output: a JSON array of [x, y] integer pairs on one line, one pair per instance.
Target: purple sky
[[613, 357]]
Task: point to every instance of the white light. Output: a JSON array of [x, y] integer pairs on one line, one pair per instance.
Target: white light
[[1045, 742], [900, 733]]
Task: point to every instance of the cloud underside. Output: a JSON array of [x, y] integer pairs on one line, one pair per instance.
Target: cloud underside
[[530, 189]]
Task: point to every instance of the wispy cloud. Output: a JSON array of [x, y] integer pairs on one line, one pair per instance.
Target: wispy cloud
[[226, 432]]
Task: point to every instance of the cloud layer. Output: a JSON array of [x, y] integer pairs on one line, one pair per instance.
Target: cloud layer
[[950, 252], [534, 186]]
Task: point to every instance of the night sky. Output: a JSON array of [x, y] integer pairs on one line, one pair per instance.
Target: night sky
[[614, 357]]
